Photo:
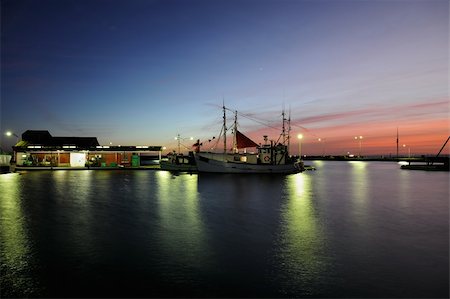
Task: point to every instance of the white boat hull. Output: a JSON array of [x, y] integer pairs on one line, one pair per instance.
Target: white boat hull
[[219, 166]]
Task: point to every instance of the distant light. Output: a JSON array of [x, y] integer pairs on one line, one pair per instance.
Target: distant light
[[300, 136], [8, 133], [192, 138]]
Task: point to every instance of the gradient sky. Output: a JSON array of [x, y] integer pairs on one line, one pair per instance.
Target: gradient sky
[[140, 72]]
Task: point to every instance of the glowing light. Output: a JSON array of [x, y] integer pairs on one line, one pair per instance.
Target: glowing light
[[9, 134]]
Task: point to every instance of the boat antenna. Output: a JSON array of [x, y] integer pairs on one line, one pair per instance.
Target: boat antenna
[[235, 149], [224, 128]]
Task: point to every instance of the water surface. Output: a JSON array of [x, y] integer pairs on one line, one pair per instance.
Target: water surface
[[349, 229]]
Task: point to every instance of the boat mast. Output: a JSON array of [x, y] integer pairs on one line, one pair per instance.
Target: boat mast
[[283, 131], [289, 130], [224, 130], [235, 149], [178, 138]]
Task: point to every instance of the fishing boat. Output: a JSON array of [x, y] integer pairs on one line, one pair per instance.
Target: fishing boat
[[271, 157], [179, 163]]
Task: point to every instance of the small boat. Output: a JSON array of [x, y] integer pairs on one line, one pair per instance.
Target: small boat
[[272, 157], [179, 162], [431, 163]]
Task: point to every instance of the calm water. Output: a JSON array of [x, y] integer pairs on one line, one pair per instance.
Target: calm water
[[362, 229]]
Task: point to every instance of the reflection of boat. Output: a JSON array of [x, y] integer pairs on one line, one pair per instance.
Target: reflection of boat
[[271, 157], [179, 162]]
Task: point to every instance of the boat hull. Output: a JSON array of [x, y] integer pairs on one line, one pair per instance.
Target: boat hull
[[164, 165], [220, 166]]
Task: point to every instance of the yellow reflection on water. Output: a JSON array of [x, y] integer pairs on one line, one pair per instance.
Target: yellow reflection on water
[[15, 245], [81, 181], [182, 230], [360, 185], [302, 241], [74, 192]]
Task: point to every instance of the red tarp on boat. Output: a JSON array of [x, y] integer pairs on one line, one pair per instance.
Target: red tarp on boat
[[243, 141]]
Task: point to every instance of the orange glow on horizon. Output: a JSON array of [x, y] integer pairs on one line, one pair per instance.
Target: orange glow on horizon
[[425, 137]]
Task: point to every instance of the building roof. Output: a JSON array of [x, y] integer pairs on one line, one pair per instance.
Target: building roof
[[38, 140], [37, 136], [43, 137], [78, 141]]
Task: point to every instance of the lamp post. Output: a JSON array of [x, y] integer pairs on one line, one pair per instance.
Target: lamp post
[[360, 144], [300, 137], [9, 134], [323, 145]]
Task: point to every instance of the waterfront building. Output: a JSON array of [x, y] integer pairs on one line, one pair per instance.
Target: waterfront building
[[38, 149]]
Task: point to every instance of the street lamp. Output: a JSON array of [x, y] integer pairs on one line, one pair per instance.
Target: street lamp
[[323, 145], [300, 137], [360, 144], [9, 134], [409, 150]]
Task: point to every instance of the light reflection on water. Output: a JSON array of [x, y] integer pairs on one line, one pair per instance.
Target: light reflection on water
[[15, 254], [181, 233], [360, 183], [347, 229], [302, 243]]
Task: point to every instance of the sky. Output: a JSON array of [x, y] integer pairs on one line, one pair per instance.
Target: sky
[[139, 72]]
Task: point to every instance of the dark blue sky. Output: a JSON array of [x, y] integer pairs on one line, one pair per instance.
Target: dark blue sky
[[139, 72]]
